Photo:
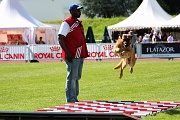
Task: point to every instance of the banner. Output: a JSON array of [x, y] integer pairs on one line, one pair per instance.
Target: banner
[[106, 51], [45, 52], [159, 50], [95, 51], [13, 52]]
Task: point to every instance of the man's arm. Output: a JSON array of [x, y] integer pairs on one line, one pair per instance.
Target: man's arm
[[63, 46]]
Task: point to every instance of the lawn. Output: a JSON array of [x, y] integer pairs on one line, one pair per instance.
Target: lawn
[[32, 86]]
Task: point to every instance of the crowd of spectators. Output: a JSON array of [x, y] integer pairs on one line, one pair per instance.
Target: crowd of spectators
[[153, 36], [156, 36]]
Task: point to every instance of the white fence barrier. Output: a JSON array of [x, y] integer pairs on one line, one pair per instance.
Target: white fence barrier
[[96, 51]]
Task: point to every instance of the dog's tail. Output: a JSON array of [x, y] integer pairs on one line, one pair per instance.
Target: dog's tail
[[118, 66]]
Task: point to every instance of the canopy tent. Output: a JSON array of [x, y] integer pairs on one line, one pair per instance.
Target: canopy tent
[[173, 23], [172, 26], [149, 14], [13, 17]]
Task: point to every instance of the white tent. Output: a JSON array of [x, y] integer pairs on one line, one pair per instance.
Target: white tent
[[173, 23], [149, 14], [14, 17]]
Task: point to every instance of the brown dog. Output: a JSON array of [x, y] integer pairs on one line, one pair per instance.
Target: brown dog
[[124, 50]]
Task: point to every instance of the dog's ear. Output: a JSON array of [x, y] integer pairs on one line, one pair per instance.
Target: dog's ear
[[125, 36]]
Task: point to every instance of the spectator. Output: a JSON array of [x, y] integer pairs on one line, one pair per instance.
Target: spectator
[[170, 39], [135, 40], [151, 35], [157, 36], [164, 37], [146, 39], [40, 41], [72, 40], [140, 38]]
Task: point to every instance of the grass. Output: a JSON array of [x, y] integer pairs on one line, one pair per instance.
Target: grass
[[32, 86]]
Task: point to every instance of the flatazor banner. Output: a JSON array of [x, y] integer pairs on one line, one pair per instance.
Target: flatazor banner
[[160, 50]]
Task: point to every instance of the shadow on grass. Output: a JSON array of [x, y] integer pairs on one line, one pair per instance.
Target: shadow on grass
[[173, 112]]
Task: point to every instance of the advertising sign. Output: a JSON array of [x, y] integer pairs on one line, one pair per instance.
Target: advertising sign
[[161, 50]]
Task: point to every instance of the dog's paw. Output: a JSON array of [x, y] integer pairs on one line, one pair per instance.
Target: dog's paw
[[115, 68], [120, 76], [117, 50], [131, 70], [124, 54]]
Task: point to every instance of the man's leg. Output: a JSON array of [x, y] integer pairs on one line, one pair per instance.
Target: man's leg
[[81, 62], [73, 75]]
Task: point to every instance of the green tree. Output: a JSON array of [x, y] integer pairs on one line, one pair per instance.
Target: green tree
[[107, 8], [173, 6], [170, 6], [115, 8]]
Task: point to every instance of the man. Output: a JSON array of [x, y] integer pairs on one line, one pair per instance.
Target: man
[[72, 41], [151, 35], [135, 40], [40, 41], [170, 38], [158, 36]]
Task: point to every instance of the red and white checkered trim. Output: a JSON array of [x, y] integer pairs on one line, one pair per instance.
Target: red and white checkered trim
[[136, 109]]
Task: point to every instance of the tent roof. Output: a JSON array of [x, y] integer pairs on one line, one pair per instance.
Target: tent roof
[[174, 22], [13, 15], [148, 14]]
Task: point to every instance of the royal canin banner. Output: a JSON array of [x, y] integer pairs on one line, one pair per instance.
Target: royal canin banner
[[13, 52], [50, 52], [101, 51]]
